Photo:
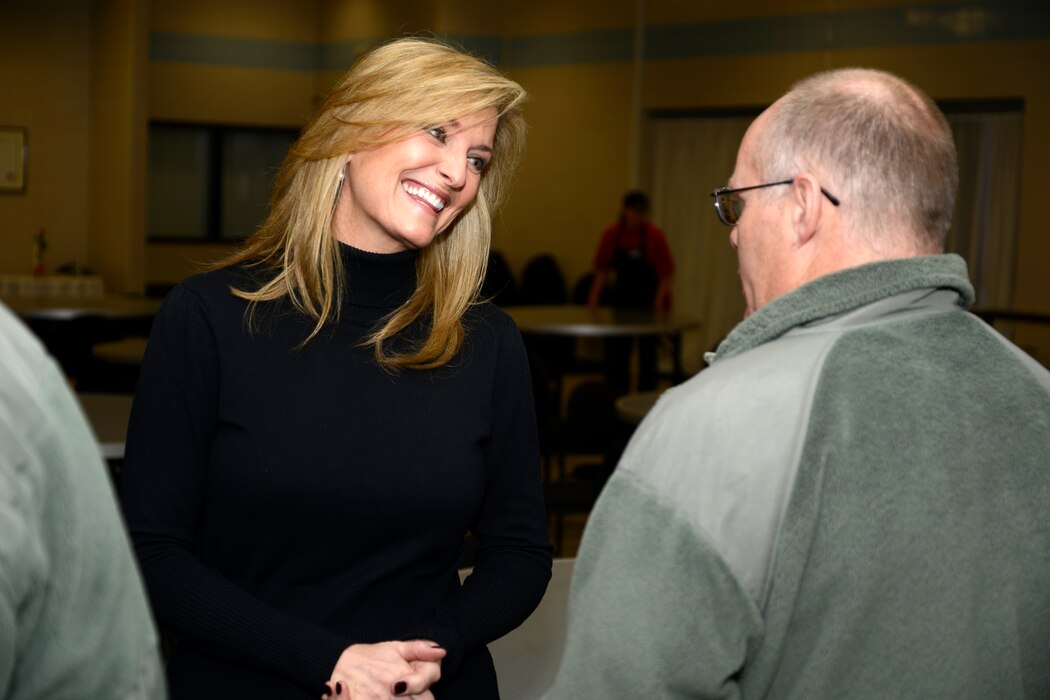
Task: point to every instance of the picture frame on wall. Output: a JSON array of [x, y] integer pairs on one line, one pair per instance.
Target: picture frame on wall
[[13, 153]]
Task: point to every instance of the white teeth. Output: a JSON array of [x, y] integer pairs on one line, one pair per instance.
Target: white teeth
[[423, 193]]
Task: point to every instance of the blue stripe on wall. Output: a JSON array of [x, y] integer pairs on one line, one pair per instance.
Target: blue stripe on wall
[[233, 51], [339, 56], [567, 49], [891, 26], [278, 55], [489, 48], [980, 20]]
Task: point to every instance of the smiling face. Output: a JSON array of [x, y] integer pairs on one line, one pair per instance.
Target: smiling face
[[400, 196]]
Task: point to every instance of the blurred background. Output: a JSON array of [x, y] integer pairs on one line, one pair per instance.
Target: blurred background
[[153, 128]]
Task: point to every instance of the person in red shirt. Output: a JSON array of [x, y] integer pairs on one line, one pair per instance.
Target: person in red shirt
[[636, 253]]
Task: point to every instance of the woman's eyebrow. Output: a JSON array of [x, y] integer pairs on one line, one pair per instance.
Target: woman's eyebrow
[[454, 126]]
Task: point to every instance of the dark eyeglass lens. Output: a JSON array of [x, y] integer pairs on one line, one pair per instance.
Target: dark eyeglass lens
[[730, 206]]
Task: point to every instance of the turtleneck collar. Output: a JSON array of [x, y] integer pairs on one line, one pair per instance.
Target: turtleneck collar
[[378, 280]]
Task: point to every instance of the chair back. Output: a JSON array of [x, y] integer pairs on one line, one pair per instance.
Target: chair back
[[581, 291], [499, 285], [542, 282]]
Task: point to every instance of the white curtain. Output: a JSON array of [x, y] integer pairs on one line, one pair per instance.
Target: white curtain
[[688, 157], [985, 223]]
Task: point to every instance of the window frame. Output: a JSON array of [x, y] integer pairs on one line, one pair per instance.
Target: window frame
[[215, 169]]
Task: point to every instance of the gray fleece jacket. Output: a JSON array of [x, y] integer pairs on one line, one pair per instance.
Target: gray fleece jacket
[[853, 501], [74, 620]]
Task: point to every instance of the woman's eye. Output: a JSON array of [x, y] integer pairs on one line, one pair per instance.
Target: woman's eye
[[477, 163], [438, 133]]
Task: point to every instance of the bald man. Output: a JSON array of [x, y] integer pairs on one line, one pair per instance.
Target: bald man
[[853, 500]]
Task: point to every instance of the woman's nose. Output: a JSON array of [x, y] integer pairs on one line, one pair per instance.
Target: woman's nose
[[453, 168]]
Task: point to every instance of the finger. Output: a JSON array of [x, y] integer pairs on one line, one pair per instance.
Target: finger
[[425, 675], [421, 650], [342, 691]]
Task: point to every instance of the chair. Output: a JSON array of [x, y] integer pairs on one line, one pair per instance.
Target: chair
[[527, 658], [108, 416], [499, 284], [542, 282], [546, 392], [593, 427], [581, 291], [573, 497], [586, 356], [113, 366]]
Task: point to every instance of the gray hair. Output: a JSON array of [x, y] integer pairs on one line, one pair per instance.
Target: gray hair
[[878, 143]]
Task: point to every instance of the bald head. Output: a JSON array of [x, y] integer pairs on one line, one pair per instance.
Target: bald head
[[879, 143]]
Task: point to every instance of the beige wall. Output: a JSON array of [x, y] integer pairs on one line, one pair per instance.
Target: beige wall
[[63, 75], [46, 81], [117, 164], [576, 168], [197, 92]]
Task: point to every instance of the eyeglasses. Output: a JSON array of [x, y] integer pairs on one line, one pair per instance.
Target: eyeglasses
[[730, 207]]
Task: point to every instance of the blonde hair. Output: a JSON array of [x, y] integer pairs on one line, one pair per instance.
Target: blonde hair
[[389, 94], [883, 144]]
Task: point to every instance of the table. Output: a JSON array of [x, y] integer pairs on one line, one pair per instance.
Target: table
[[70, 308], [633, 407], [69, 326], [55, 286], [579, 321], [108, 415], [126, 351]]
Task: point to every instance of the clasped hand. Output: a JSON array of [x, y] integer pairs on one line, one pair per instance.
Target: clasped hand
[[386, 670]]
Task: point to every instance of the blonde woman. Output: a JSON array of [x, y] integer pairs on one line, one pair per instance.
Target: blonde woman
[[321, 420]]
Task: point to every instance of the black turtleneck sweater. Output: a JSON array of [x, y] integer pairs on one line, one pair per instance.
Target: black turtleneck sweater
[[286, 501]]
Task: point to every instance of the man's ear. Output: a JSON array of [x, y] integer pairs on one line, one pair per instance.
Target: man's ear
[[808, 207]]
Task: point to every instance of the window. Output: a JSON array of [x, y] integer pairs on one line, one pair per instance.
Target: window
[[211, 183]]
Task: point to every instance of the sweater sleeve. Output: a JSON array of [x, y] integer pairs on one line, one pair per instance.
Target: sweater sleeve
[[163, 490], [513, 561], [654, 612]]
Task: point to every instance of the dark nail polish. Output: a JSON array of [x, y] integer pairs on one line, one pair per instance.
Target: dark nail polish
[[400, 687]]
